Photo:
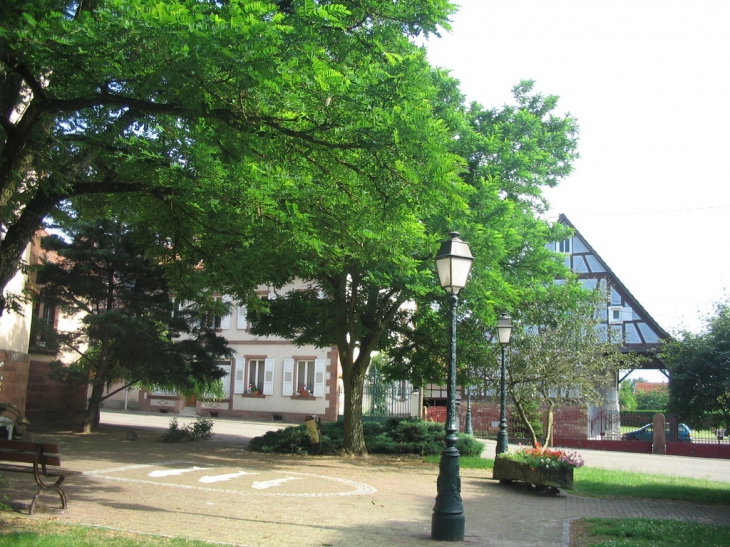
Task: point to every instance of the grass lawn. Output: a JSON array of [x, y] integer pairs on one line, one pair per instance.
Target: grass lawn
[[604, 483], [20, 531], [647, 533]]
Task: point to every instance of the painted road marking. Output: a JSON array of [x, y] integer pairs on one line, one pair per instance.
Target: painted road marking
[[219, 478], [355, 488], [262, 485], [175, 472]]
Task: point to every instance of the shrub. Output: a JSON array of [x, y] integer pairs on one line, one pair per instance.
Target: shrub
[[199, 430], [395, 436]]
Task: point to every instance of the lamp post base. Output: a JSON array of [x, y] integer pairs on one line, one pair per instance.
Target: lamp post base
[[448, 521], [448, 527], [502, 442]]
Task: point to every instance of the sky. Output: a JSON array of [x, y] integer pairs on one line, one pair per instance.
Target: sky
[[648, 83]]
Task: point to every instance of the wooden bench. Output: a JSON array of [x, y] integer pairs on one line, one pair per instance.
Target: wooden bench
[[40, 456]]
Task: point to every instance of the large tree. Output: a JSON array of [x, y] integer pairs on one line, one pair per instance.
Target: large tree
[[130, 330], [699, 371], [562, 352], [372, 274], [204, 109]]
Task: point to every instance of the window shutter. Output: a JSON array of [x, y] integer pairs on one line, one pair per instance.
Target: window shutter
[[319, 377], [269, 376], [226, 319], [239, 386], [242, 319], [287, 387], [226, 380]]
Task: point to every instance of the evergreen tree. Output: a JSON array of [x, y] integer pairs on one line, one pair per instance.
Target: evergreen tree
[[130, 331]]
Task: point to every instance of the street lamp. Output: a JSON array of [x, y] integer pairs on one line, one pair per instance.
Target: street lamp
[[453, 262], [468, 429], [504, 332]]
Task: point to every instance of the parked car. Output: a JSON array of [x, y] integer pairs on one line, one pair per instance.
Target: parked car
[[645, 433]]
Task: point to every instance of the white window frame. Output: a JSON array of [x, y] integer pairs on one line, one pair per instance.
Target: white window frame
[[615, 315], [564, 246], [243, 370], [304, 375], [314, 371]]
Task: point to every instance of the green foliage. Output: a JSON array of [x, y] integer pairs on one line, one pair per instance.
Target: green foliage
[[199, 430], [657, 400], [102, 273], [57, 535], [626, 399], [395, 436], [560, 352], [636, 532], [202, 109], [699, 384]]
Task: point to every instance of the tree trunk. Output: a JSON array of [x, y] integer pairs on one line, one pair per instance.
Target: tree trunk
[[354, 438], [547, 437], [92, 416], [523, 416], [353, 377]]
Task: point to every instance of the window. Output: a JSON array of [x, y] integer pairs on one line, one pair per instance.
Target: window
[[563, 246], [242, 318], [304, 375], [254, 376], [163, 392], [43, 329], [619, 314], [614, 315], [256, 368], [225, 321]]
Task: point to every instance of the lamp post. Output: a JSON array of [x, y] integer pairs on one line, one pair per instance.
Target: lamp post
[[504, 332], [453, 262], [468, 429]]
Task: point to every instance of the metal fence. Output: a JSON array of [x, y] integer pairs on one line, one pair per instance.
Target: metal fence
[[617, 425], [387, 400]]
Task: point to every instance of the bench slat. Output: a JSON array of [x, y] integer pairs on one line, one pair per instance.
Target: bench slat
[[39, 455], [28, 446], [27, 457]]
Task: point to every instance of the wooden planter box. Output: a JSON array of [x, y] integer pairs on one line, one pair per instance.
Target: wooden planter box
[[506, 471]]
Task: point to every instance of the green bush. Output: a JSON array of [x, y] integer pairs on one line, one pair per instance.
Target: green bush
[[199, 430], [395, 436]]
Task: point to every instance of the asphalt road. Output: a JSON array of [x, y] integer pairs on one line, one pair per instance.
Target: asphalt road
[[701, 468]]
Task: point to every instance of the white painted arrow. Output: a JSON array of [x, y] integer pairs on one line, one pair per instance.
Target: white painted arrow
[[260, 485], [227, 477], [173, 472]]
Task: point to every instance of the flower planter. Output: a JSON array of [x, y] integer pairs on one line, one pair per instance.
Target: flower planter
[[556, 477]]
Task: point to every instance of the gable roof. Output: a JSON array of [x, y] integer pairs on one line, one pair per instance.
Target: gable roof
[[643, 333]]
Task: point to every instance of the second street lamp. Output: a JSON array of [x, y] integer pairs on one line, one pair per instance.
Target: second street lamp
[[504, 333], [453, 262]]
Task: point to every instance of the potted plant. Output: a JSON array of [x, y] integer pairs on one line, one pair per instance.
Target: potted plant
[[303, 392], [543, 467], [253, 390]]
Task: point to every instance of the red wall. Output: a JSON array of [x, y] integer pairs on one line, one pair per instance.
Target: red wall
[[46, 397]]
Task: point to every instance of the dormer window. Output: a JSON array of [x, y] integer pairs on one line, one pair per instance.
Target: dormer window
[[615, 315]]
